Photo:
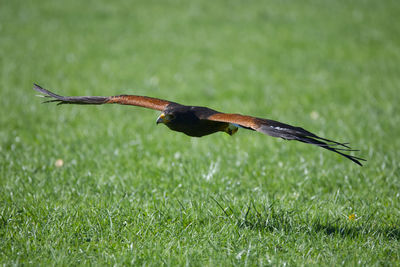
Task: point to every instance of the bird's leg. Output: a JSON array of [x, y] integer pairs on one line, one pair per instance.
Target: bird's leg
[[231, 129]]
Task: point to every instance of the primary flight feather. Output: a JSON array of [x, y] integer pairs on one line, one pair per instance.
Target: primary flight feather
[[199, 121]]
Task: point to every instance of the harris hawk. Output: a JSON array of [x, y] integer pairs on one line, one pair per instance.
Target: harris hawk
[[198, 121]]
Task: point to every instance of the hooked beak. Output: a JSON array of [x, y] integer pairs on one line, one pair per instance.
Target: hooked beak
[[161, 118]]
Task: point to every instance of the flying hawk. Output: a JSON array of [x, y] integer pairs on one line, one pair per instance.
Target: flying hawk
[[200, 121]]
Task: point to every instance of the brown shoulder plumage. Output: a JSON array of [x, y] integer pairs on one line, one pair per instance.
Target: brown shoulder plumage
[[242, 120], [141, 101]]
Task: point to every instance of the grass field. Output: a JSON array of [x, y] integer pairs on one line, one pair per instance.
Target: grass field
[[131, 192]]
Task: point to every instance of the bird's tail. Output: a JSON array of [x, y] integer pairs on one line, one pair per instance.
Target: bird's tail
[[288, 132], [82, 100]]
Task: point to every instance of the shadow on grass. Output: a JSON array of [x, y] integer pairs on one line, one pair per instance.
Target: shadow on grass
[[354, 231], [276, 219]]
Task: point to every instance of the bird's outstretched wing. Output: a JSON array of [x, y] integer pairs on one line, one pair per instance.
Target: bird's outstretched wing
[[285, 131], [269, 127], [134, 100]]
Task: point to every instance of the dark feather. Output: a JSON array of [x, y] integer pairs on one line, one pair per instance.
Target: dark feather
[[81, 100], [288, 132]]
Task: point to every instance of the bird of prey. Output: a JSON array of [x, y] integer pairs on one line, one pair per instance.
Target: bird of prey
[[200, 121]]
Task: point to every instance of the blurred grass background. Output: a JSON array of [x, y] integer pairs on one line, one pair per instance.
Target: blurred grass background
[[133, 193]]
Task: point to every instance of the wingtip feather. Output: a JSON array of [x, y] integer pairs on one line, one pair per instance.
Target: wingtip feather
[[288, 132]]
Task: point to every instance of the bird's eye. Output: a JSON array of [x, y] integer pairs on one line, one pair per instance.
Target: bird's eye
[[170, 117]]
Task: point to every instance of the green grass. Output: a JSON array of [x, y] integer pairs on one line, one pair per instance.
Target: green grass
[[133, 193]]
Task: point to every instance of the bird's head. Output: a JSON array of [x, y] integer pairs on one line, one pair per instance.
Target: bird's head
[[165, 118]]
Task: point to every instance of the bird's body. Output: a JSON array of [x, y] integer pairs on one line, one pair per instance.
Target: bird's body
[[198, 121], [192, 120]]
